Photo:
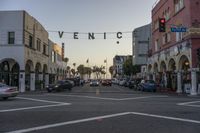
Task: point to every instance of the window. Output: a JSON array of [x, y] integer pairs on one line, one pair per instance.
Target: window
[[166, 38], [178, 5], [166, 14], [53, 56], [157, 45], [38, 44], [30, 41], [179, 36], [44, 49], [11, 37]]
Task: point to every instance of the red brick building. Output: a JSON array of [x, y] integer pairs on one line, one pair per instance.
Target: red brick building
[[174, 61]]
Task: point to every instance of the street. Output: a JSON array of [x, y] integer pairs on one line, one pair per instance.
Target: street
[[100, 110]]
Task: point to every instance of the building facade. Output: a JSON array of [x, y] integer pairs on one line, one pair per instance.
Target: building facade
[[24, 51], [141, 44], [174, 61], [118, 62], [57, 67]]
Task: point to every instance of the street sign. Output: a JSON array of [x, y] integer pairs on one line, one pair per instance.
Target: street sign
[[178, 29]]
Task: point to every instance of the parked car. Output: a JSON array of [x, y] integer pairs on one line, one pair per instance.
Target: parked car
[[126, 84], [60, 85], [148, 85], [122, 82], [75, 80], [132, 84], [94, 83], [106, 82], [7, 91], [114, 81]]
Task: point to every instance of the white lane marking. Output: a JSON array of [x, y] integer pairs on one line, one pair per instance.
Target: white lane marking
[[102, 98], [142, 97], [68, 123], [34, 107], [39, 100], [103, 117], [187, 103], [190, 104], [166, 117], [83, 96]]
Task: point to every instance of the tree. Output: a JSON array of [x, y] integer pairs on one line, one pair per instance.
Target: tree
[[74, 64], [136, 69], [98, 71], [129, 69], [68, 69], [81, 70], [88, 71], [66, 59], [73, 72], [111, 69]]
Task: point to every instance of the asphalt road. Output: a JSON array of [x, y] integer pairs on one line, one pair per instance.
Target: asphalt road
[[100, 110]]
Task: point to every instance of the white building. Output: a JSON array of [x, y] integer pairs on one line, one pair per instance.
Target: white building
[[118, 62], [24, 52]]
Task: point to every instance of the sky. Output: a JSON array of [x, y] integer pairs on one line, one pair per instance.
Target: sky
[[84, 16]]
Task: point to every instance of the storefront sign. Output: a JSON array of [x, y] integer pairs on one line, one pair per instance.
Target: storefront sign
[[91, 35]]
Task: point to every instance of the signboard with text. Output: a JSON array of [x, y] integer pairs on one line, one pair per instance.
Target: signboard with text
[[178, 29]]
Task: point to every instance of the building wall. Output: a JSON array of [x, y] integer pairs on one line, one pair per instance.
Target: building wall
[[186, 17], [12, 21], [141, 37], [118, 62], [58, 67], [35, 29]]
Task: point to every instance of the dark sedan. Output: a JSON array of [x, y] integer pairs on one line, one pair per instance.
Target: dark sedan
[[7, 91], [60, 86], [106, 82], [94, 83], [148, 85]]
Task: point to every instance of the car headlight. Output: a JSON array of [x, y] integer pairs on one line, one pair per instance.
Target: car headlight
[[56, 86]]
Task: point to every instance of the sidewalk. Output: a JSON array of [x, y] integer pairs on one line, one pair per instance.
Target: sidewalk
[[171, 92]]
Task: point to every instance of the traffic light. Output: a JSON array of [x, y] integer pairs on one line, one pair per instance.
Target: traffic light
[[162, 23]]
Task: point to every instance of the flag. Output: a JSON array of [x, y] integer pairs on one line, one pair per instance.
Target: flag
[[87, 61]]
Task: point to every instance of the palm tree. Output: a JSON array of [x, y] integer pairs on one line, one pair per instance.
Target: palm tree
[[74, 64], [66, 59], [80, 69], [73, 72], [98, 71], [68, 70], [88, 71]]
